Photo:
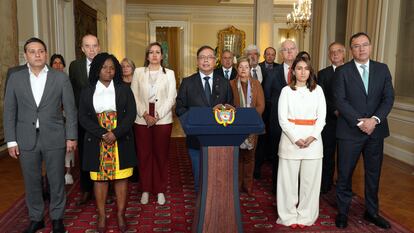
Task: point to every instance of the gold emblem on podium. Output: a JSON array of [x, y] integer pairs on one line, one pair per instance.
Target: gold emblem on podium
[[224, 114]]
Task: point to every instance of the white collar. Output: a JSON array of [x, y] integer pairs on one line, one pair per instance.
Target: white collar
[[44, 70]]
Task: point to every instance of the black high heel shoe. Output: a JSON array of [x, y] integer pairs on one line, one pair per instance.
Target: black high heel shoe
[[122, 225], [101, 229]]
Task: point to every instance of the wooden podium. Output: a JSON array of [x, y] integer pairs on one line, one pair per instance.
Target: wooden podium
[[218, 204]]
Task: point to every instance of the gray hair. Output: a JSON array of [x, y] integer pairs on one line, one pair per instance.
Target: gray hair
[[283, 43], [251, 47]]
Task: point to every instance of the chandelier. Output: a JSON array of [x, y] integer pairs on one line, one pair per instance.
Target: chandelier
[[300, 17]]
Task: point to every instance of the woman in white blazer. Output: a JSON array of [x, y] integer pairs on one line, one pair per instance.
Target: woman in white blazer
[[302, 112], [154, 90]]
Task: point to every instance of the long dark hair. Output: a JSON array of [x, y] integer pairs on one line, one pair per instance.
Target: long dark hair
[[311, 82], [97, 64], [54, 56], [147, 50]]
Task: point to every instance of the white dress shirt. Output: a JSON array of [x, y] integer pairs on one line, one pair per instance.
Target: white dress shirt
[[37, 84], [286, 71], [88, 66], [104, 98], [258, 72], [210, 80]]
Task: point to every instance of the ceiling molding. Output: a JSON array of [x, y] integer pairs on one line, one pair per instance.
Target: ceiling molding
[[200, 14], [171, 16]]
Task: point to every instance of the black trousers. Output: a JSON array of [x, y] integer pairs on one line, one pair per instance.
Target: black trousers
[[86, 184], [329, 149], [349, 152]]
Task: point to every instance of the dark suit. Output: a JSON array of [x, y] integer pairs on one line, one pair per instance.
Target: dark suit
[[264, 144], [219, 71], [191, 94], [79, 79], [326, 80], [277, 85], [11, 71], [352, 103], [126, 113], [45, 142], [263, 65]]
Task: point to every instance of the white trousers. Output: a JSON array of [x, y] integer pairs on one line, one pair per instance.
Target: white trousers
[[303, 207]]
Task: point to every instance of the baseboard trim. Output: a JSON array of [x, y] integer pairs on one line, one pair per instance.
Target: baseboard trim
[[399, 154]]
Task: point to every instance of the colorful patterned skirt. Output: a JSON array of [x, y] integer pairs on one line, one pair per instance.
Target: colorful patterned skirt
[[108, 154]]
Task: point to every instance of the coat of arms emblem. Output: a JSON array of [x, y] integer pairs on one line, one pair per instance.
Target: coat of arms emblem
[[224, 114]]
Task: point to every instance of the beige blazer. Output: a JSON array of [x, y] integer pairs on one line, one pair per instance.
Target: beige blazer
[[165, 95]]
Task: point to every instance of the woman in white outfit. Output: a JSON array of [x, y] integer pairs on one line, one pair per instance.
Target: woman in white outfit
[[302, 111]]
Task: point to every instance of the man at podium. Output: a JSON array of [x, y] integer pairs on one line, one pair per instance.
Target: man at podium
[[201, 89]]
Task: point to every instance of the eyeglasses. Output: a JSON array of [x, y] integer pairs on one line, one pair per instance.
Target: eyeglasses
[[288, 49], [359, 46], [206, 58]]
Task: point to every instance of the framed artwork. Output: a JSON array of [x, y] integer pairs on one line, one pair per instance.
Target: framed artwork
[[231, 39]]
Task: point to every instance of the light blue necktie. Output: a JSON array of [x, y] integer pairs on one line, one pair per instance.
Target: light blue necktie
[[226, 75], [365, 77]]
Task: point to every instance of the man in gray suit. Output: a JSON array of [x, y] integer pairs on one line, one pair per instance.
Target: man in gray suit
[[35, 131], [78, 74]]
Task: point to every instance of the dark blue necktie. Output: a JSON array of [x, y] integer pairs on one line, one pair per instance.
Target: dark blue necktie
[[207, 89], [226, 75]]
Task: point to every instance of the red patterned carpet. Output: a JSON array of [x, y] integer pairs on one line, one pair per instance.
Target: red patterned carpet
[[258, 213]]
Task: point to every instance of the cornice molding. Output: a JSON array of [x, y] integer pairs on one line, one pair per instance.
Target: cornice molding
[[200, 14]]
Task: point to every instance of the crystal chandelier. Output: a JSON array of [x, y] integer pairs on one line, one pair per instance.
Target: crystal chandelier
[[300, 17]]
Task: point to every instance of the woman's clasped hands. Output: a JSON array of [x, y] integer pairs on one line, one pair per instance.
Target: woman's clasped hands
[[304, 143]]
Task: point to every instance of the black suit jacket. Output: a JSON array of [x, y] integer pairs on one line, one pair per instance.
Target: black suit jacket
[[191, 94], [326, 81], [78, 77], [352, 101], [219, 71], [277, 84], [263, 65], [268, 76], [126, 113]]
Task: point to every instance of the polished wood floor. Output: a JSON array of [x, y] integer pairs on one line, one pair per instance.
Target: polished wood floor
[[396, 189]]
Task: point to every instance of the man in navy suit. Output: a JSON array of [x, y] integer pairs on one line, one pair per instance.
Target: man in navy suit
[[226, 70], [325, 80], [364, 98], [288, 52], [269, 63], [202, 89]]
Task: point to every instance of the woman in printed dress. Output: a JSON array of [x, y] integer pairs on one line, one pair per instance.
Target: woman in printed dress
[[107, 111]]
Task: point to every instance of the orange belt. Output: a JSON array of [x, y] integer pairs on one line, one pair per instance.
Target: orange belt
[[302, 121]]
